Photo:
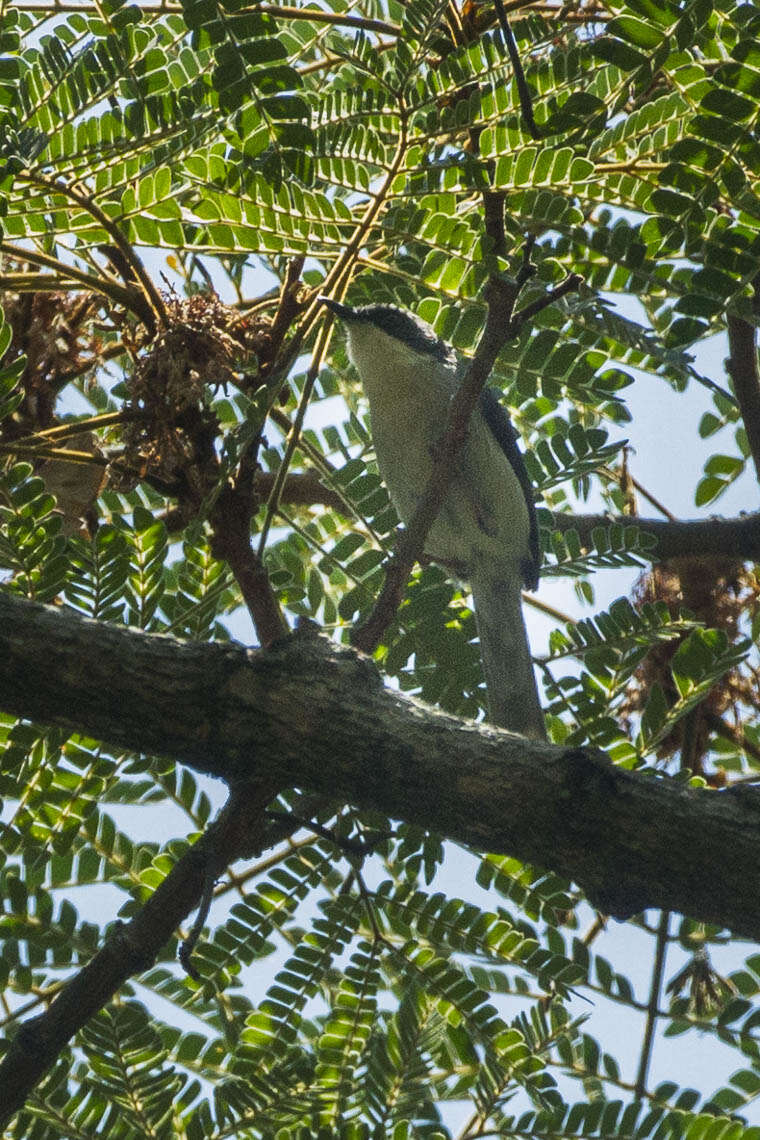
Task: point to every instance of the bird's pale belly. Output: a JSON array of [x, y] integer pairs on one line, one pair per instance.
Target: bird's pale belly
[[470, 522]]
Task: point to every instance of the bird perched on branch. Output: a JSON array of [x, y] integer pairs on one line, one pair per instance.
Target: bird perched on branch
[[486, 531]]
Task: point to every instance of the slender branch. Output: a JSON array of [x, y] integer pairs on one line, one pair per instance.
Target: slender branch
[[493, 224], [288, 308], [75, 427], [185, 954], [336, 280], [341, 270], [743, 370], [631, 165], [330, 494], [526, 102], [653, 1006], [236, 880], [354, 848], [231, 541], [571, 284], [614, 477], [60, 454], [502, 324], [544, 608], [132, 947], [319, 16], [301, 490], [35, 283], [125, 248], [592, 14], [674, 538], [258, 595], [329, 61], [597, 927], [132, 299], [294, 434]]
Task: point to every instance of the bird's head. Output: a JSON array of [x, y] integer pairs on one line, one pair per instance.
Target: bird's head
[[385, 336]]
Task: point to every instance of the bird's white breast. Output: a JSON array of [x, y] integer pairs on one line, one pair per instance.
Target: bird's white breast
[[484, 513]]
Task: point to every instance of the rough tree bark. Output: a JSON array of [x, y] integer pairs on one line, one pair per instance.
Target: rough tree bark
[[310, 714]]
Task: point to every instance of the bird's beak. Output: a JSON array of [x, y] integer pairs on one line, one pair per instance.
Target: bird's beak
[[345, 312]]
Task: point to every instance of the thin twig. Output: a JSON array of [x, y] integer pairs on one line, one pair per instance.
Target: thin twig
[[653, 1005], [330, 61], [378, 938], [742, 367], [501, 325], [571, 284], [132, 299], [550, 611], [185, 954], [673, 537], [319, 16], [131, 947], [75, 427], [294, 436], [597, 927], [60, 454], [526, 101], [288, 308], [235, 881], [340, 273], [125, 248], [355, 848], [614, 477]]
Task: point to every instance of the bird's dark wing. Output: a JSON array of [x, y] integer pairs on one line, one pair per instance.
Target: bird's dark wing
[[505, 435]]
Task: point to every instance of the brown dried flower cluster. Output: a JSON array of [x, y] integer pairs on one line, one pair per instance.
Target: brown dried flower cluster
[[54, 332], [197, 352], [709, 991], [720, 592]]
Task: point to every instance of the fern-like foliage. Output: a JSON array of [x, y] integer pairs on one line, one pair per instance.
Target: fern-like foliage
[[207, 148]]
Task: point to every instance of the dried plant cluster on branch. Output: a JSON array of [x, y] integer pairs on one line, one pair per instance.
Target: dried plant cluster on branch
[[723, 594]]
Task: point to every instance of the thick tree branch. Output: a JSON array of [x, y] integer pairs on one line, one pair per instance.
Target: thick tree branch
[[309, 714], [739, 537], [673, 538]]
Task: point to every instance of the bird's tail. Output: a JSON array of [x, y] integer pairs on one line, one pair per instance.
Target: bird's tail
[[512, 694]]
